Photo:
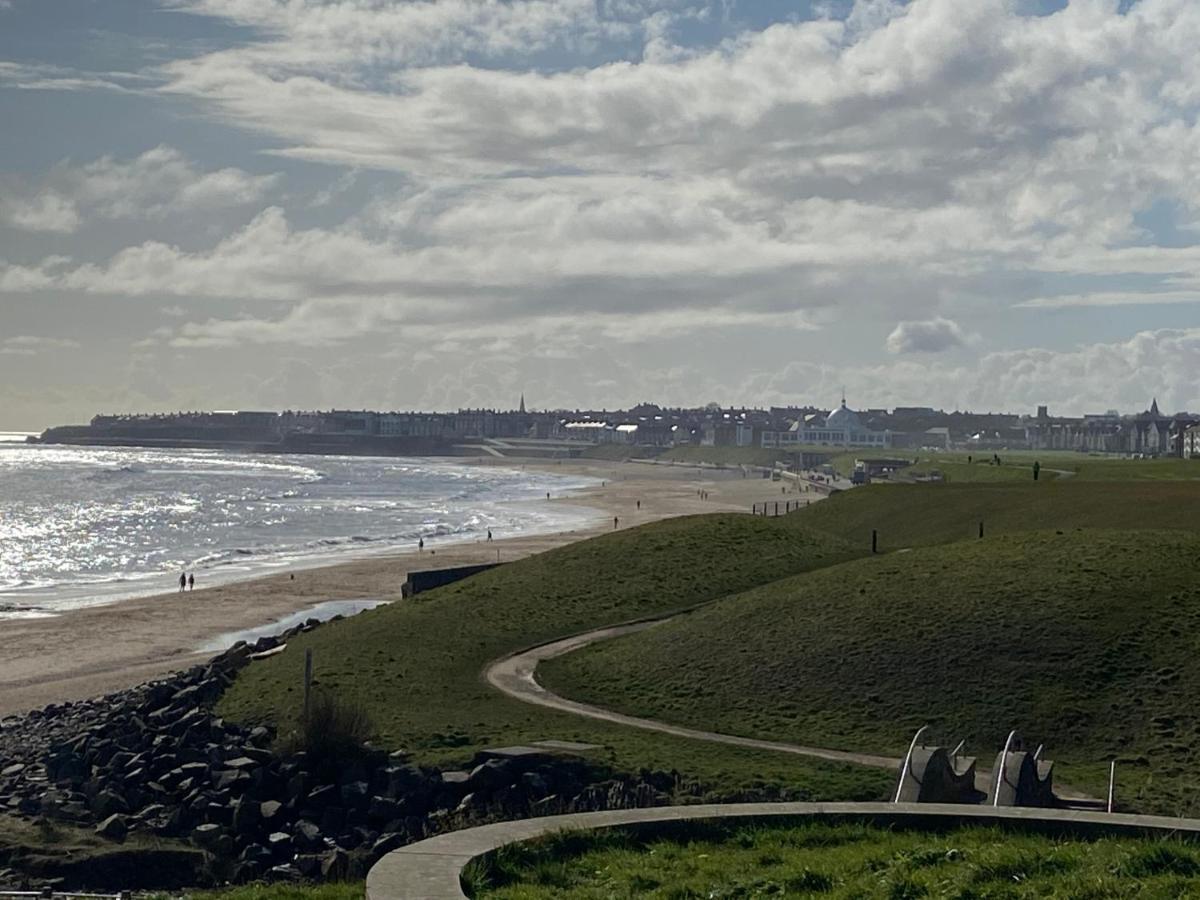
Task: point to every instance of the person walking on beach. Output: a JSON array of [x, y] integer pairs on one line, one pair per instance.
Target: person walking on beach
[[489, 534], [420, 544], [182, 580], [616, 522], [192, 581]]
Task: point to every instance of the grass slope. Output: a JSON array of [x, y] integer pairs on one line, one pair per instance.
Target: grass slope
[[1086, 640], [416, 665], [908, 515], [837, 861]]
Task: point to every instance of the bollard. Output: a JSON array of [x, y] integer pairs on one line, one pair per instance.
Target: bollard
[[874, 541]]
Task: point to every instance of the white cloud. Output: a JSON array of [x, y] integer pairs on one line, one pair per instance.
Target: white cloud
[[32, 345], [159, 182], [43, 212], [929, 336]]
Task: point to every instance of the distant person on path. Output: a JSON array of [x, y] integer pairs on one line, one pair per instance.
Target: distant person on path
[[182, 580], [547, 495], [616, 521], [192, 581], [420, 544], [639, 504]]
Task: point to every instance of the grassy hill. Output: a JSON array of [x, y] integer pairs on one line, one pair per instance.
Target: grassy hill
[[416, 665], [908, 515], [1084, 639]]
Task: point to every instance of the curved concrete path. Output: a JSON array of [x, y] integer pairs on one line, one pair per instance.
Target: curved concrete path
[[516, 676], [431, 869]]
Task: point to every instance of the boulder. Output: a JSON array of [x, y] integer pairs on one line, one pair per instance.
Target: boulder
[[113, 828]]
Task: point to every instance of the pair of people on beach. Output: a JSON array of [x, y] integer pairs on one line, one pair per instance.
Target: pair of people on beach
[[187, 581]]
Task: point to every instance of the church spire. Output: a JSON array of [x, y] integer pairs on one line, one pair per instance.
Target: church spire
[[1154, 408], [522, 401]]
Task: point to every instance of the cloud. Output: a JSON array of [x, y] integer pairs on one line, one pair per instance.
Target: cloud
[[157, 183], [31, 345], [1109, 298], [42, 212], [1124, 374], [931, 336]]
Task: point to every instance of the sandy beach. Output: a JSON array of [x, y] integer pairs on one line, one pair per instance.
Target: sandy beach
[[96, 650]]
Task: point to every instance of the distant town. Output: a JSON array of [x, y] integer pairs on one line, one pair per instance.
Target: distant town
[[560, 432]]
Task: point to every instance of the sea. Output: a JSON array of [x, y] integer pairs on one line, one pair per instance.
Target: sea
[[81, 526]]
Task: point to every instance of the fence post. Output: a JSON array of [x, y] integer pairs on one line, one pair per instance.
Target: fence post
[[1112, 777], [874, 541], [307, 679], [981, 530]]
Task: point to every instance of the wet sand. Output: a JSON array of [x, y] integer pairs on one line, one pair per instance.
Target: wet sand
[[101, 649]]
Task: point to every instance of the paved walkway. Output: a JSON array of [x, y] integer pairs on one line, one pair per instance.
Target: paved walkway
[[430, 869], [516, 676]]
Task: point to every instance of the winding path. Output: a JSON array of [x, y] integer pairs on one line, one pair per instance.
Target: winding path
[[516, 676]]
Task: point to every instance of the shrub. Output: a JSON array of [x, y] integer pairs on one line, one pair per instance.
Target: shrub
[[333, 731]]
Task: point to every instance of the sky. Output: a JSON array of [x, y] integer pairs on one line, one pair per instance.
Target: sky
[[431, 204]]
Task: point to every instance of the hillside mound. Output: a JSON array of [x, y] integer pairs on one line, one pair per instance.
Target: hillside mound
[[1084, 639], [414, 666], [909, 515]]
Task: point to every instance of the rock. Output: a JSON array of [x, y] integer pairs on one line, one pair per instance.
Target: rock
[[246, 817], [114, 828], [14, 769], [206, 835], [455, 779], [108, 802], [269, 810], [383, 809], [307, 835], [335, 865], [386, 844], [280, 843], [333, 819], [355, 793]]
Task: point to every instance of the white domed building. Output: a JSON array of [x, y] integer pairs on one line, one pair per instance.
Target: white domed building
[[841, 428]]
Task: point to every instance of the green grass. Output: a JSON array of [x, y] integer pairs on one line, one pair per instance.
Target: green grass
[[815, 859], [416, 666], [1017, 465], [908, 515], [1087, 640]]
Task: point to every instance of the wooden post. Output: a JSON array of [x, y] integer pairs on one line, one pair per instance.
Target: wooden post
[[874, 541], [1112, 777], [307, 679], [981, 530], [777, 507]]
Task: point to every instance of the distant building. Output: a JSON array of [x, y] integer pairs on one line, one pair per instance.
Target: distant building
[[842, 428]]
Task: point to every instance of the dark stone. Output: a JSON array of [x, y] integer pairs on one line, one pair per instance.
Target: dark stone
[[206, 835], [246, 817], [114, 828], [307, 835], [108, 802]]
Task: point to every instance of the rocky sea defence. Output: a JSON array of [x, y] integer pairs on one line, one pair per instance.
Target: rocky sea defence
[[224, 803]]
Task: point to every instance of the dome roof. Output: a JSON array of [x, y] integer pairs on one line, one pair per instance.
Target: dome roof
[[843, 419]]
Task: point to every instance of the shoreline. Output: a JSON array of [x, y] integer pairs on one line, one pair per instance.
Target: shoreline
[[95, 650]]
